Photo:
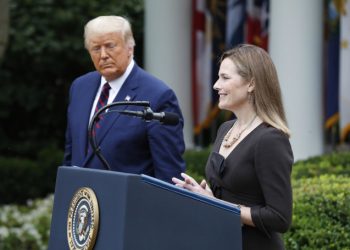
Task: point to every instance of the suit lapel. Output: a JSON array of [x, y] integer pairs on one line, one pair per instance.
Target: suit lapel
[[126, 93], [86, 98]]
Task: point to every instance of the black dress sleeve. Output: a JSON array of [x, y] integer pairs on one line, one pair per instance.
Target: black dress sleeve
[[273, 163]]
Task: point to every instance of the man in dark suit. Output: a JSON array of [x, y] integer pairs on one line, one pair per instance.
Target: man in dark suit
[[128, 144]]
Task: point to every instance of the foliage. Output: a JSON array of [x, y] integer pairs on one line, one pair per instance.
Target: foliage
[[196, 161], [26, 227], [22, 179], [334, 163], [321, 212], [44, 55], [321, 217]]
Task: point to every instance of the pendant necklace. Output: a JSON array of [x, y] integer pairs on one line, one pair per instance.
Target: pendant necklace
[[227, 143]]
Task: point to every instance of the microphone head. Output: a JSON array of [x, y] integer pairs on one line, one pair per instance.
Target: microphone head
[[170, 119]]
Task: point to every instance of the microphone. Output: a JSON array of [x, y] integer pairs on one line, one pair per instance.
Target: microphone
[[166, 118]]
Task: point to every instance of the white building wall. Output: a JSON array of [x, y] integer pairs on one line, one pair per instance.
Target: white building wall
[[295, 46], [168, 51]]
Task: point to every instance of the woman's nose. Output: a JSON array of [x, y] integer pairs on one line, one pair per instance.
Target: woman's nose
[[216, 86]]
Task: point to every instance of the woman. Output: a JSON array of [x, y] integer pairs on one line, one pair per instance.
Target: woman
[[251, 161]]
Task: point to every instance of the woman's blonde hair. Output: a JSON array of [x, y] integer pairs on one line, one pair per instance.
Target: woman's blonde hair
[[255, 66]]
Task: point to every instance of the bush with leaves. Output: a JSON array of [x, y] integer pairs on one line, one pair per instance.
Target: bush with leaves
[[45, 53], [196, 161], [23, 179], [321, 213], [321, 189], [26, 227], [321, 216], [337, 163]]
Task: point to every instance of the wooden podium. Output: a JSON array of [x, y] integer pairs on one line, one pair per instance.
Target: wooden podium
[[106, 210]]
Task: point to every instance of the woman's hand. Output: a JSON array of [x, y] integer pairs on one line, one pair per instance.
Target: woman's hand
[[203, 188], [190, 184]]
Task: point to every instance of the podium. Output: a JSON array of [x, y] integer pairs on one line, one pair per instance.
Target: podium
[[138, 212]]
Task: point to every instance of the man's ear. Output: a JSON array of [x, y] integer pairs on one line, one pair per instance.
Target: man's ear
[[130, 51]]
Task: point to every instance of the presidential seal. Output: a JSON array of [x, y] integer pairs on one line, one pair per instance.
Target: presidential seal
[[83, 218]]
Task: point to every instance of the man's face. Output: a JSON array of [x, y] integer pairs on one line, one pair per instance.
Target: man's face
[[110, 54]]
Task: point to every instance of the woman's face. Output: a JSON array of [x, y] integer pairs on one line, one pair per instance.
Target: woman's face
[[231, 87]]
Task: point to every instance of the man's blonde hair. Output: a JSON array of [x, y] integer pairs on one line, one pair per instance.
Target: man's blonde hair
[[109, 24]]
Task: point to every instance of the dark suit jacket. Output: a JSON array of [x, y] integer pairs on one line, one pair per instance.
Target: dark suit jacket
[[129, 144]]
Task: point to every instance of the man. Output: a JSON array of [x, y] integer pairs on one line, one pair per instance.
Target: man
[[128, 144]]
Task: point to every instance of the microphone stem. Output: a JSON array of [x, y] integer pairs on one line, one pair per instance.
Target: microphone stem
[[92, 139]]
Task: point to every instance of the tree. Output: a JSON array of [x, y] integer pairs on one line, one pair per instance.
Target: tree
[[4, 25], [45, 53]]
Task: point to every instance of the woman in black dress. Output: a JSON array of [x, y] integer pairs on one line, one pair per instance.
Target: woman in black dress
[[251, 161]]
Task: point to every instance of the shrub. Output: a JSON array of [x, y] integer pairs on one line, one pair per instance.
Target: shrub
[[22, 179], [321, 216], [337, 163], [196, 161], [45, 53], [26, 227], [195, 175]]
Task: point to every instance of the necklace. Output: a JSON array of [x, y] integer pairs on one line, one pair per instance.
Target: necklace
[[227, 143]]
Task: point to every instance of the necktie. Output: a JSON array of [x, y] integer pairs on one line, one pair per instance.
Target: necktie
[[102, 101]]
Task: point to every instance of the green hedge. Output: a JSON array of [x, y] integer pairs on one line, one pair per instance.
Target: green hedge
[[196, 161], [321, 216], [23, 179], [321, 189], [337, 163], [321, 203]]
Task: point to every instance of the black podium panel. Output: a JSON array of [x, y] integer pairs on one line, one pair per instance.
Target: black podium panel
[[138, 212]]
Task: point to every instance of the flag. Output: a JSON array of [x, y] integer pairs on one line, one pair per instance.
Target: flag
[[235, 19], [218, 10], [208, 43], [219, 25], [344, 73], [332, 65], [201, 63], [257, 22]]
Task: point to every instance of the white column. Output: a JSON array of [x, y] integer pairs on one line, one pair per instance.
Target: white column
[[295, 46], [168, 51]]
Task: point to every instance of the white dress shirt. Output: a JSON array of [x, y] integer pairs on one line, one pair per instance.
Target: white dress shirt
[[116, 84]]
